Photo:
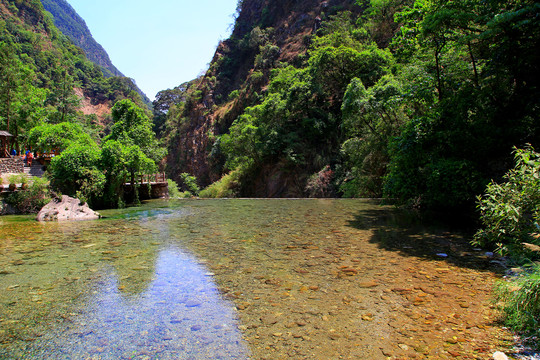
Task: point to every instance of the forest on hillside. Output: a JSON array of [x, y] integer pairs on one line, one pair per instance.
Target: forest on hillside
[[41, 71], [421, 101], [45, 80]]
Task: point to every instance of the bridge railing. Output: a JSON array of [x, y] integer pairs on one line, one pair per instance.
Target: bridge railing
[[153, 178]]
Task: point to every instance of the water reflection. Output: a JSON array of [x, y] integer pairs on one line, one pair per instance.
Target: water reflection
[[181, 315], [310, 279], [110, 289]]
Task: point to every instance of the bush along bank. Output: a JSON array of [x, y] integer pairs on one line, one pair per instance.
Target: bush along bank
[[510, 215], [29, 201]]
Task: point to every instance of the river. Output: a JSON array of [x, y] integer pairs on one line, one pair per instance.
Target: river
[[245, 279]]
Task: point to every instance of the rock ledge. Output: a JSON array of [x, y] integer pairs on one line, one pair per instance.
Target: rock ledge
[[67, 209]]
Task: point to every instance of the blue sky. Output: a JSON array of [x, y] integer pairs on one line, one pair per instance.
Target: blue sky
[[160, 44]]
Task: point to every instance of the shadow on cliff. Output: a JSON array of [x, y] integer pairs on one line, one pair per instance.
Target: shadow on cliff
[[439, 237]]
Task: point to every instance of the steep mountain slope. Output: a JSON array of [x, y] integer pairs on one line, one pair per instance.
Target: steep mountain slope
[[72, 25], [420, 101], [44, 77], [266, 35]]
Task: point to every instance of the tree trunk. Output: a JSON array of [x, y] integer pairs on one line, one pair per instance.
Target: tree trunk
[[439, 80], [8, 108], [473, 64]]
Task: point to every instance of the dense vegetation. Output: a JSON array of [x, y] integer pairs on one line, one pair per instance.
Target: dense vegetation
[[510, 215], [96, 174], [43, 79], [421, 101], [40, 70]]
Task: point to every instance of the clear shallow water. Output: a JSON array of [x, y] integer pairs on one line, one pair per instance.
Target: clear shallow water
[[239, 279], [117, 288]]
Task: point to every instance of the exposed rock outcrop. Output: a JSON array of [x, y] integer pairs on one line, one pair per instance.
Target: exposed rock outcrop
[[67, 209], [287, 25]]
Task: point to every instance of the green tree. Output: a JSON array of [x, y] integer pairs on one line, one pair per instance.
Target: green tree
[[62, 96], [21, 103], [370, 118], [133, 127], [48, 137], [164, 102], [463, 90], [76, 172], [30, 112], [334, 68], [130, 149], [243, 144], [120, 163], [10, 80]]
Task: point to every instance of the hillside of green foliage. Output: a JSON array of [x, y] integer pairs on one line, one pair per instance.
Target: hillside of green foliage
[[44, 77], [421, 101], [73, 26]]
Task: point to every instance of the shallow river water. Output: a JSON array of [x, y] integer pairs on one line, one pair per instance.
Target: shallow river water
[[245, 279]]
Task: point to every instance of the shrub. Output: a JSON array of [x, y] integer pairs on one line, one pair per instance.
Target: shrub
[[319, 184], [233, 95], [257, 77], [521, 303], [172, 186], [510, 211], [23, 179], [185, 195], [189, 184], [31, 200], [13, 179], [226, 187], [510, 215]]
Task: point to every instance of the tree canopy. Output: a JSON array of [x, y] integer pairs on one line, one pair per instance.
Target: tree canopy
[[416, 100]]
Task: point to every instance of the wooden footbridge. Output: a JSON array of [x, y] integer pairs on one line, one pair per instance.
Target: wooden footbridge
[[159, 187]]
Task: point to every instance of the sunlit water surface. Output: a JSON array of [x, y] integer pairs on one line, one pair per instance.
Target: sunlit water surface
[[240, 279], [121, 287]]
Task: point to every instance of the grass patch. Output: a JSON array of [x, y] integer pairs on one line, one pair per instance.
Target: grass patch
[[521, 304], [228, 186]]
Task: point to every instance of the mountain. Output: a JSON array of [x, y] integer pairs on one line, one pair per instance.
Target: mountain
[[46, 78], [424, 102], [72, 25], [267, 34]]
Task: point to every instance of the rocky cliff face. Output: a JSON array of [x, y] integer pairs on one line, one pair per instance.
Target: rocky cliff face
[[266, 33]]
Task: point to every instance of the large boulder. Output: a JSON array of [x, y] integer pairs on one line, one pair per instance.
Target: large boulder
[[66, 209]]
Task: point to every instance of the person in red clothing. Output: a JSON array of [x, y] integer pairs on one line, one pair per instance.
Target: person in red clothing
[[29, 158]]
